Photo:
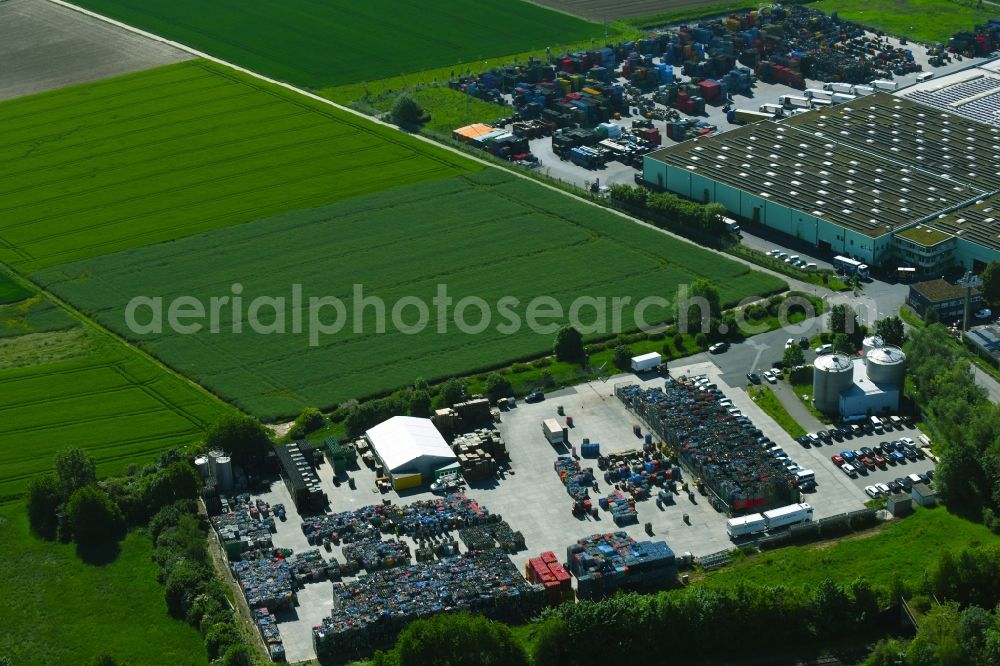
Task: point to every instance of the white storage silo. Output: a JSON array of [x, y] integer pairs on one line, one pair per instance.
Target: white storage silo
[[887, 365], [870, 343], [224, 473], [832, 374], [213, 460], [201, 464]]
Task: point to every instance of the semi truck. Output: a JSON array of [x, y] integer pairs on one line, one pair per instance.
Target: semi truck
[[793, 514], [793, 101], [839, 87], [553, 431], [746, 526]]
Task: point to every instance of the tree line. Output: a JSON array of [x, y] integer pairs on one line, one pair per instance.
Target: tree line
[[966, 424], [671, 210]]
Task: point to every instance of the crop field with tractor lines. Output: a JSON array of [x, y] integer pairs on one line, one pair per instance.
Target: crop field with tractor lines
[[316, 44], [487, 234], [161, 154]]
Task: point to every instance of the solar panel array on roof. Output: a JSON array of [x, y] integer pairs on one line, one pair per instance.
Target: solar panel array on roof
[[977, 98]]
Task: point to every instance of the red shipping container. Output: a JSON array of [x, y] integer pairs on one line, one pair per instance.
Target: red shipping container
[[548, 556]]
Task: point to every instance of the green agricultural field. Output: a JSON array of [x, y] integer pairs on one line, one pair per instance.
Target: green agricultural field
[[63, 384], [449, 108], [61, 610], [488, 234], [10, 291], [174, 151], [926, 21], [316, 44]]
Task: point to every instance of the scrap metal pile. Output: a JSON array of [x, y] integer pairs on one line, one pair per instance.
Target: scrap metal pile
[[487, 536], [420, 519], [720, 448], [578, 481], [370, 611], [373, 555], [244, 525], [603, 563]]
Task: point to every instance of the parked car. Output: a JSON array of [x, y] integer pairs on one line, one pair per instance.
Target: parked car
[[896, 457], [910, 454], [771, 377], [867, 451], [535, 396], [837, 434], [837, 460], [930, 474], [895, 487], [849, 470], [824, 435], [869, 463], [847, 455], [882, 488], [803, 440], [804, 342], [905, 482], [790, 342], [871, 491], [985, 313], [908, 442], [919, 453], [753, 377], [879, 460], [718, 348], [813, 438], [858, 453], [924, 478]]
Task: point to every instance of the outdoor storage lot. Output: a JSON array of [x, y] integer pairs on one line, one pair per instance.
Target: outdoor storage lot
[[45, 46], [530, 497]]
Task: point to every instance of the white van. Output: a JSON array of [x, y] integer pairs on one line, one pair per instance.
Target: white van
[[876, 424], [925, 76], [824, 349]]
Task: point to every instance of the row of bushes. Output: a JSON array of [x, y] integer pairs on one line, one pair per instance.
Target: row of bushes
[[671, 211], [193, 592]]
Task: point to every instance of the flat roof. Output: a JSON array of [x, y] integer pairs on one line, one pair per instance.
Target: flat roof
[[863, 386], [938, 290], [986, 338], [979, 223], [973, 92], [924, 235], [875, 165]]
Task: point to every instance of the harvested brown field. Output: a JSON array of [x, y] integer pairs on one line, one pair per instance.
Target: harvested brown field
[[45, 46], [611, 10]]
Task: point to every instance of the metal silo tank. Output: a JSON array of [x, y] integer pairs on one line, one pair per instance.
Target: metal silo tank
[[224, 473], [887, 365], [201, 464], [832, 374], [870, 343]]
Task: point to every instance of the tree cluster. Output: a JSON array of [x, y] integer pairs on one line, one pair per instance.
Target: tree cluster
[[967, 423], [681, 212], [244, 438], [454, 639], [193, 592], [754, 619], [310, 420]]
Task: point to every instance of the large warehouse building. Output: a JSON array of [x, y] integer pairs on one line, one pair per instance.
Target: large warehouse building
[[410, 450], [882, 179]]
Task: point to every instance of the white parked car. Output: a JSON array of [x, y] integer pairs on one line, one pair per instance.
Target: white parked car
[[849, 470], [789, 342], [872, 491], [909, 443], [985, 313], [771, 377], [882, 488]]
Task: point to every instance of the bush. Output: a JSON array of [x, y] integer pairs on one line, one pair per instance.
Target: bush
[[497, 386], [679, 342], [407, 113], [458, 639], [238, 655], [220, 637], [569, 345], [623, 357], [75, 469], [552, 645], [420, 402], [242, 437], [93, 517], [701, 340], [43, 499], [184, 584], [453, 391], [310, 420], [373, 412]]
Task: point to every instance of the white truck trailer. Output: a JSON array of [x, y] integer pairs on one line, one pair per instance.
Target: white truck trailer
[[839, 87], [646, 362], [884, 85], [793, 101], [745, 526], [793, 514], [553, 431]]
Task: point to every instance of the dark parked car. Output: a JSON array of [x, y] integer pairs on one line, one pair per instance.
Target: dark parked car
[[905, 482], [925, 478], [895, 487], [867, 451], [910, 455], [824, 435], [837, 435], [804, 342], [535, 396], [919, 453], [753, 377], [930, 474]]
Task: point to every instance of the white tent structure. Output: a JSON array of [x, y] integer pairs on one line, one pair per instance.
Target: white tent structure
[[408, 446]]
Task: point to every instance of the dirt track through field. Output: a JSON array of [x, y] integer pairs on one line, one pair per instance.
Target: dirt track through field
[[45, 46], [611, 10]]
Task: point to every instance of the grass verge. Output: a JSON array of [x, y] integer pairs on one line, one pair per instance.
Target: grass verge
[[765, 398], [925, 21]]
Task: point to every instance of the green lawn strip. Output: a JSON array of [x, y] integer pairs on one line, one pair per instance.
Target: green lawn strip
[[904, 548], [765, 398], [449, 109], [169, 152], [335, 42], [488, 234], [62, 610], [826, 279], [804, 394], [926, 21]]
